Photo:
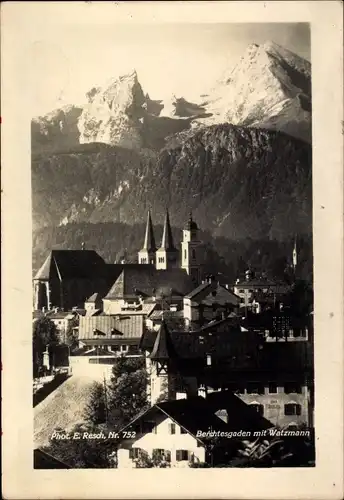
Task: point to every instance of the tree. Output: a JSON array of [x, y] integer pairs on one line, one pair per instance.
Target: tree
[[126, 365], [95, 409], [300, 298], [44, 335], [127, 397], [71, 335]]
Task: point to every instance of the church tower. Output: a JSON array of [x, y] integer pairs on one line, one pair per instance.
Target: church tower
[[147, 253], [191, 251], [295, 256], [161, 363], [167, 254]]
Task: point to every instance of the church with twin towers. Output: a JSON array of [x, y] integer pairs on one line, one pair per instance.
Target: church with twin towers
[[166, 256]]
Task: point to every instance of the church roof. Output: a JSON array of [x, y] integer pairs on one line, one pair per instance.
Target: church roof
[[149, 242], [70, 264], [163, 347], [167, 238], [147, 281]]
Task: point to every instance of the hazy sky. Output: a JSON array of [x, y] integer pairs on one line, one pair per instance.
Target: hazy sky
[[180, 59]]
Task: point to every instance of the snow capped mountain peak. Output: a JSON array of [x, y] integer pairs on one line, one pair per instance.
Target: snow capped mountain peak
[[114, 113], [269, 87]]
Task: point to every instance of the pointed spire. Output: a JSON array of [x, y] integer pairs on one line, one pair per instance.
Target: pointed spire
[[167, 238], [149, 243], [163, 346], [295, 252]]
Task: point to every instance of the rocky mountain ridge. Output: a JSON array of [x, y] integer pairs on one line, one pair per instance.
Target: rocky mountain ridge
[[270, 87], [234, 158], [238, 182]]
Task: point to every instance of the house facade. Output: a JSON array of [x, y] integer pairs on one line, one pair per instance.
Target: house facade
[[179, 433], [209, 301], [102, 339], [160, 436], [273, 378]]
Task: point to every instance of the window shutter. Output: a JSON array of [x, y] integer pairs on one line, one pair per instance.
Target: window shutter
[[131, 453], [178, 455], [172, 428], [298, 409]]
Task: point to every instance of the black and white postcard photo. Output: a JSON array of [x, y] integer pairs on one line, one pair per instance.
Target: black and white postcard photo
[[173, 224]]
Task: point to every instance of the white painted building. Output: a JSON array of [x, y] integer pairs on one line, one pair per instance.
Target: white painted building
[[169, 431]]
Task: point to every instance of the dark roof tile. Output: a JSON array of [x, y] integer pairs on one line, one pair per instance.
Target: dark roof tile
[[147, 281]]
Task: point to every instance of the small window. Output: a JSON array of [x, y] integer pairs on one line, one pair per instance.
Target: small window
[[172, 428], [292, 409], [292, 388], [183, 431], [134, 453], [272, 388], [182, 455], [193, 254], [185, 254]]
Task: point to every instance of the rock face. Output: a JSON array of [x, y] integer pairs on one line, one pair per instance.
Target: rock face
[[239, 182], [270, 88], [240, 160], [114, 115], [56, 130], [181, 108]]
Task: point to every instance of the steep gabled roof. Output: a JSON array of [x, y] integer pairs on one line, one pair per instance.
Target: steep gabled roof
[[192, 414], [199, 414], [239, 414], [163, 348], [213, 292], [197, 291], [149, 242], [93, 298], [71, 264], [44, 272], [147, 281]]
